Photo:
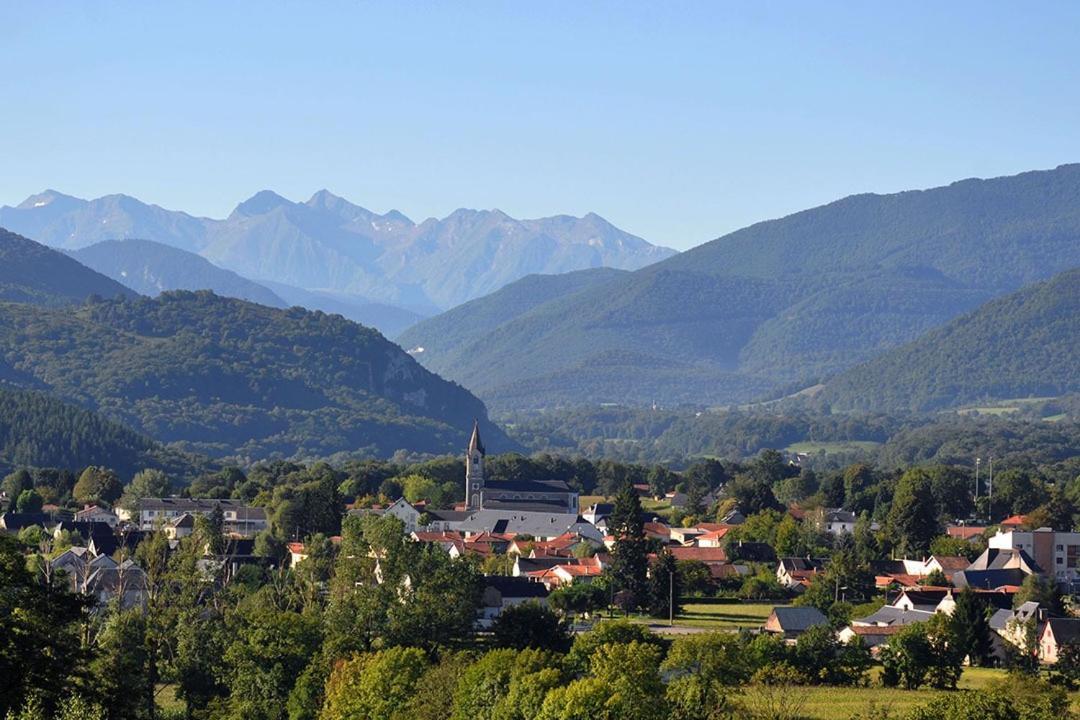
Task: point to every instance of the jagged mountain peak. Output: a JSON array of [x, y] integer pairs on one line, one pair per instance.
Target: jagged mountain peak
[[260, 203]]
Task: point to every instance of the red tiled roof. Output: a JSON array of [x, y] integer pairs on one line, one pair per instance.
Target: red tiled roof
[[706, 554], [964, 532], [1015, 521], [657, 529]]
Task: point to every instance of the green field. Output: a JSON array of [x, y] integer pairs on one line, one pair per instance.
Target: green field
[[832, 448], [729, 616]]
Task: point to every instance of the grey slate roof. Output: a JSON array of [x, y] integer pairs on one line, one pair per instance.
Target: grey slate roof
[[988, 579], [889, 615], [516, 587], [1066, 630], [799, 619], [527, 486]]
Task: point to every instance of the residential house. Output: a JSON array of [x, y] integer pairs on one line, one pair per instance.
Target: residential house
[[872, 636], [793, 572], [239, 519], [835, 521], [1056, 634], [14, 522], [597, 512], [96, 513], [791, 622], [500, 593], [997, 568]]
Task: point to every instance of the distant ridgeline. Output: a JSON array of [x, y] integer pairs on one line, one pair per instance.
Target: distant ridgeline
[[781, 304], [231, 378]]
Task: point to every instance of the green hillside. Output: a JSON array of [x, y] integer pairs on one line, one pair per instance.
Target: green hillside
[[458, 328], [40, 431], [1024, 345], [235, 379], [781, 302], [33, 273]]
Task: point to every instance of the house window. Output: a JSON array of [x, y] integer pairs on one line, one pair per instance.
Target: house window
[[1059, 548], [1058, 561]]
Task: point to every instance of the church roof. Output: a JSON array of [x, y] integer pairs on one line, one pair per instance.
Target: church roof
[[475, 443], [527, 486]]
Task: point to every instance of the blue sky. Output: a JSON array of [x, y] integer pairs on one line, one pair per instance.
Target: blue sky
[[676, 121]]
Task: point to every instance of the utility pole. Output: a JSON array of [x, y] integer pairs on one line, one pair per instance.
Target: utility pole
[[671, 597], [978, 461]]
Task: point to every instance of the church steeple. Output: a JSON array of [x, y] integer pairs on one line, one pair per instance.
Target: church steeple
[[474, 469]]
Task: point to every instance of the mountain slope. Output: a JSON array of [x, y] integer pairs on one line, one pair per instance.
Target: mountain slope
[[1022, 345], [330, 244], [235, 379], [33, 273], [151, 268], [784, 301], [390, 320], [40, 431], [460, 327]]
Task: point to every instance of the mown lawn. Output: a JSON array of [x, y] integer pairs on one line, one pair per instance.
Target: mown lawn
[[836, 703], [729, 616]]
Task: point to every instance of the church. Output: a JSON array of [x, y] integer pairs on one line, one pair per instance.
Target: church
[[542, 509], [546, 496]]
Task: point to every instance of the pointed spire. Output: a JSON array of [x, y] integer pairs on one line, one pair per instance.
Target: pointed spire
[[474, 442]]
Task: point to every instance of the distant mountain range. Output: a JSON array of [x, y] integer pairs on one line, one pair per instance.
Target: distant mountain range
[[151, 268], [212, 375], [32, 273], [778, 305], [329, 245], [1024, 345]]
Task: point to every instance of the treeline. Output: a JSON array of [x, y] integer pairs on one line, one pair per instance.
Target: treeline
[[676, 437]]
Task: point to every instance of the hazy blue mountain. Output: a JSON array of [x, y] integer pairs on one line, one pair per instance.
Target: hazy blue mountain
[[71, 223], [33, 273], [390, 320], [1026, 344], [151, 268], [230, 378], [329, 244], [781, 302]]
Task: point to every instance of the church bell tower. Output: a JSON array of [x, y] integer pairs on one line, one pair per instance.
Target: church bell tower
[[474, 469]]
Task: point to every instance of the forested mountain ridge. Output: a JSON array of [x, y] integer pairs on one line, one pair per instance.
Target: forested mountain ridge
[[782, 302], [234, 379], [33, 273], [468, 322], [150, 268], [1026, 344], [330, 244], [41, 431]]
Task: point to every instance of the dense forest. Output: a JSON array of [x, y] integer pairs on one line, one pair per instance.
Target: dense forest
[[233, 379], [40, 431], [1023, 345]]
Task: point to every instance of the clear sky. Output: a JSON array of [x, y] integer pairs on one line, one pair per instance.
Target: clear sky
[[676, 121]]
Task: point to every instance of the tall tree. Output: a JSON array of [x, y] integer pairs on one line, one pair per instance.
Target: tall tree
[[913, 519], [629, 557], [971, 628]]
